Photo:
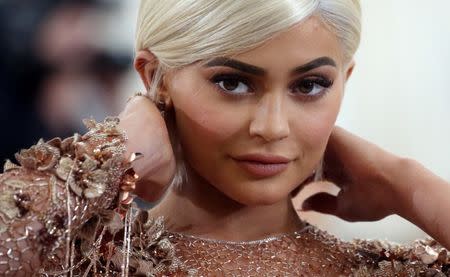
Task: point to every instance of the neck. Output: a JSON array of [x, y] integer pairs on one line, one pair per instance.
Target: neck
[[198, 208]]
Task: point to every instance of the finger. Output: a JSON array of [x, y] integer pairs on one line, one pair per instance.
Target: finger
[[321, 202]]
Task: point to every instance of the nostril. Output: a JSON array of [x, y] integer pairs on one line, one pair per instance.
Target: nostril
[[270, 129]]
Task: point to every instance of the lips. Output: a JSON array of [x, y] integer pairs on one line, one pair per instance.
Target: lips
[[261, 165]]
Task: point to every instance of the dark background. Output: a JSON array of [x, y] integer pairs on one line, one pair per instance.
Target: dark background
[[52, 71]]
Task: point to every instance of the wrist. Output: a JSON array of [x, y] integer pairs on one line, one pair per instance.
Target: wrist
[[156, 168]]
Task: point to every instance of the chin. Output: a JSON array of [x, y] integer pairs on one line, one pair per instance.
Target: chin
[[259, 195]]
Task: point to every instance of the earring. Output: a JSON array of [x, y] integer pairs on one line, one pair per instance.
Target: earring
[[162, 103]]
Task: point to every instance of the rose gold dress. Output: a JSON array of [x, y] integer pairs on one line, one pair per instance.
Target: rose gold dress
[[59, 217]]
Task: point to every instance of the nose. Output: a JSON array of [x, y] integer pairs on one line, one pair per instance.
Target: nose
[[270, 119]]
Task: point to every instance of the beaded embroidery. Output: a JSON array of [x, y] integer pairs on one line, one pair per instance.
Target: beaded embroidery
[[59, 216]]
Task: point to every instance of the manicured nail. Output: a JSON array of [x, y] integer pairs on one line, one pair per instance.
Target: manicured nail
[[306, 206]]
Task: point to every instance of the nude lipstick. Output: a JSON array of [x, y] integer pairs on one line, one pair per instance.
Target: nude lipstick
[[262, 165]]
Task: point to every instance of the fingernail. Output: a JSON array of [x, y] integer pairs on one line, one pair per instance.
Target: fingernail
[[306, 206]]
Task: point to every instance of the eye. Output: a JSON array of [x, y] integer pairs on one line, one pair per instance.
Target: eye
[[311, 86], [231, 84]]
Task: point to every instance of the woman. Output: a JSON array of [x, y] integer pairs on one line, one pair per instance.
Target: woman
[[249, 92]]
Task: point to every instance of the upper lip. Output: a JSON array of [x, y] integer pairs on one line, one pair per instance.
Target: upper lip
[[263, 158]]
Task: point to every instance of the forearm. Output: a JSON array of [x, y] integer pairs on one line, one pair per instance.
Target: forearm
[[151, 139], [156, 172], [425, 199]]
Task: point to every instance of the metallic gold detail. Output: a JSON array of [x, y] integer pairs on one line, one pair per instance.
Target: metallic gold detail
[[15, 183], [41, 156], [74, 186], [64, 168], [9, 166], [8, 205]]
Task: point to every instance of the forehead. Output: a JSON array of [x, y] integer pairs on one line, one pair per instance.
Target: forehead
[[300, 44]]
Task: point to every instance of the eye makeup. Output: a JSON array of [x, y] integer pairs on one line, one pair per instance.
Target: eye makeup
[[232, 84], [306, 88], [311, 88]]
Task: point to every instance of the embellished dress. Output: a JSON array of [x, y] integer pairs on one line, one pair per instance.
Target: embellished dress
[[60, 215]]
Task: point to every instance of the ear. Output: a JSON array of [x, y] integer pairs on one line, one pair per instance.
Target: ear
[[146, 64], [349, 71]]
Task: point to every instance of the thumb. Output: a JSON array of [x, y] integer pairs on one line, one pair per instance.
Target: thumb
[[321, 202]]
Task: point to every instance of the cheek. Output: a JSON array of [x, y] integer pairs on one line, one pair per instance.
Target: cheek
[[316, 123], [206, 119], [202, 121]]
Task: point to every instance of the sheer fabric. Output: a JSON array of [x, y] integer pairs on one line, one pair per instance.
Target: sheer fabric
[[59, 216]]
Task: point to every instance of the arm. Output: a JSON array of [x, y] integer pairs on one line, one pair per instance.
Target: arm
[[375, 183], [62, 198], [147, 132], [426, 202]]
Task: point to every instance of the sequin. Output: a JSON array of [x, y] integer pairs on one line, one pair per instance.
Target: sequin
[[9, 166], [59, 216]]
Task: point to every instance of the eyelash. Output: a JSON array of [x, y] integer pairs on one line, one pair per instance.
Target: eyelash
[[319, 80], [233, 77], [322, 81]]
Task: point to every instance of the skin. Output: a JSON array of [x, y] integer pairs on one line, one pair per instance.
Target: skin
[[376, 183], [220, 200], [157, 166], [273, 116]]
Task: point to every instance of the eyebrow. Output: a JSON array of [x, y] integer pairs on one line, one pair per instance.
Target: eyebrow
[[255, 70]]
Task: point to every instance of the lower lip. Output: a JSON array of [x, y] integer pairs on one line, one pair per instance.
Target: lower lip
[[262, 170]]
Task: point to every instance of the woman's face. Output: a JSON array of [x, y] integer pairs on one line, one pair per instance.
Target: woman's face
[[256, 125]]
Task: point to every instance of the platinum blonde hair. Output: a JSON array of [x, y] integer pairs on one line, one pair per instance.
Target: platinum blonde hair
[[181, 32]]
